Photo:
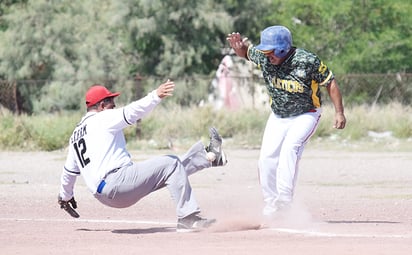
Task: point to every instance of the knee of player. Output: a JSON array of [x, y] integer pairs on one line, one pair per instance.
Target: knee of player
[[172, 160]]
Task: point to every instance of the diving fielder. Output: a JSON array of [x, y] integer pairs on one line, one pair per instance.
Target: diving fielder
[[97, 151]]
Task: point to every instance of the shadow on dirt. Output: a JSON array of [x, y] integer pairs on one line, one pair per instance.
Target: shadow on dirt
[[362, 222], [131, 231], [144, 231]]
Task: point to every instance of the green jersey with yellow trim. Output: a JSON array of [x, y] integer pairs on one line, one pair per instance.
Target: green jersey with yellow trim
[[293, 86]]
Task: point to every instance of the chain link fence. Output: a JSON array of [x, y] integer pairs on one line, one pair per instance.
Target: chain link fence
[[233, 92], [376, 88]]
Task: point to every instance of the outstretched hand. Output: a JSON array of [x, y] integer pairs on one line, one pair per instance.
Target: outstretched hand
[[238, 43], [68, 206], [235, 40], [166, 89]]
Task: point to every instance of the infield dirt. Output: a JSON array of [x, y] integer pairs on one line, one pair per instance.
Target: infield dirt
[[345, 203]]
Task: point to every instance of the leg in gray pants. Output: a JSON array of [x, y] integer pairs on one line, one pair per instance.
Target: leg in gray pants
[[129, 184]]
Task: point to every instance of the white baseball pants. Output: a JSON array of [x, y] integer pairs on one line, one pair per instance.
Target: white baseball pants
[[282, 145]]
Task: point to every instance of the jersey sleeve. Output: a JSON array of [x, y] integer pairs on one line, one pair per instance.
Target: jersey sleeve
[[140, 108], [255, 56], [68, 177], [322, 74], [117, 119], [67, 185]]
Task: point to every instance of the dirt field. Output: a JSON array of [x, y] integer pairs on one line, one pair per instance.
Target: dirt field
[[346, 203]]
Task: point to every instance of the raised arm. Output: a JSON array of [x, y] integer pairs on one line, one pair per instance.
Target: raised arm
[[238, 44]]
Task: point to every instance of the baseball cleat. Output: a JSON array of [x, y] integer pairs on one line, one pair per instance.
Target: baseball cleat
[[271, 209], [215, 146], [222, 161], [193, 223]]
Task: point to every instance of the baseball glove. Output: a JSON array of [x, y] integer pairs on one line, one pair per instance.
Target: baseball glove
[[68, 206]]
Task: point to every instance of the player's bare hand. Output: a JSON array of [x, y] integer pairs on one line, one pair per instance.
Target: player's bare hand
[[236, 41], [166, 89], [340, 121]]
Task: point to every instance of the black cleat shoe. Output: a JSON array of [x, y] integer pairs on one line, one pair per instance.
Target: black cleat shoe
[[193, 223], [215, 146]]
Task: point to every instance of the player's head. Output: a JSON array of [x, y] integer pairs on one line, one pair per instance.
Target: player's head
[[277, 39], [99, 96]]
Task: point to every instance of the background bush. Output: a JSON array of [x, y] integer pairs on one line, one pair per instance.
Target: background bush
[[47, 63], [175, 127]]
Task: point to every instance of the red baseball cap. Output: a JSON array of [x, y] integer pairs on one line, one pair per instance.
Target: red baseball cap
[[96, 93]]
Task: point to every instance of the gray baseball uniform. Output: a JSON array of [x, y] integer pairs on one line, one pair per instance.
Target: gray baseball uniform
[[97, 151]]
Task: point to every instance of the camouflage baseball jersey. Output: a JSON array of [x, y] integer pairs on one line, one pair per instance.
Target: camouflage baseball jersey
[[293, 86]]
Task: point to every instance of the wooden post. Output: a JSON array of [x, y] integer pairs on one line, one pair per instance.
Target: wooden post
[[139, 92]]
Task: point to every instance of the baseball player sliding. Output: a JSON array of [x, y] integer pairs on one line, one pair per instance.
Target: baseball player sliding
[[97, 151], [293, 79]]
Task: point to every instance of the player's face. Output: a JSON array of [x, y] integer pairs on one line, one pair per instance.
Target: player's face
[[272, 58], [108, 103]]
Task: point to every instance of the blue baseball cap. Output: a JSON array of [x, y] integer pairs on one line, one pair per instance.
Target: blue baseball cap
[[276, 38]]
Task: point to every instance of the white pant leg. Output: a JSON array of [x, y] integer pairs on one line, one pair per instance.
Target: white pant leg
[[273, 136], [300, 129], [282, 146]]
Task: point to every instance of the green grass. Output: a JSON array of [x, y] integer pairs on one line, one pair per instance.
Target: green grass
[[240, 129], [41, 132]]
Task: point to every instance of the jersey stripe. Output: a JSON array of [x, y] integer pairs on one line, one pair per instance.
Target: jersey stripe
[[327, 79], [71, 172], [315, 98], [84, 119], [124, 117]]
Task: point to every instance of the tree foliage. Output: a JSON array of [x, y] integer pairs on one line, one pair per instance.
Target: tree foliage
[[65, 46], [369, 36]]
